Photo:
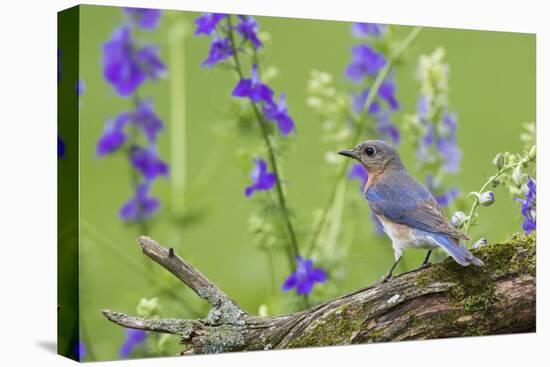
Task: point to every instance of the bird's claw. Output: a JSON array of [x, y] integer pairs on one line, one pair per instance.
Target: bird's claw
[[386, 278], [425, 265]]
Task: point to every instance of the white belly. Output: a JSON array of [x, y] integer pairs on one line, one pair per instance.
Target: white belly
[[403, 236]]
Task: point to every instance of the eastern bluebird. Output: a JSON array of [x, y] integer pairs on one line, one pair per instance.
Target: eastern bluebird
[[409, 213]]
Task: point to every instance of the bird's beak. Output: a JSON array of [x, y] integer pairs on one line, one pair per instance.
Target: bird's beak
[[348, 153]]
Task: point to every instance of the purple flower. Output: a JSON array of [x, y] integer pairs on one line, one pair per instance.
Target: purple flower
[[447, 197], [423, 107], [253, 88], [60, 147], [261, 179], [145, 118], [367, 29], [304, 277], [207, 23], [449, 123], [147, 161], [125, 67], [451, 154], [220, 49], [365, 62], [141, 206], [133, 339], [387, 128], [248, 29], [80, 87], [387, 93], [434, 186], [113, 135], [278, 112], [529, 207], [358, 103], [145, 18], [359, 172], [150, 63]]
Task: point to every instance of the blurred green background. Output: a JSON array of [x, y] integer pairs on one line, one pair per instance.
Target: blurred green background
[[492, 84]]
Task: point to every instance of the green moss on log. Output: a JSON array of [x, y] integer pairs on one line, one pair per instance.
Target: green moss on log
[[474, 287], [336, 328]]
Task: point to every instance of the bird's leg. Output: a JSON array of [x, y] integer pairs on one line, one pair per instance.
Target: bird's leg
[[426, 262], [389, 274]]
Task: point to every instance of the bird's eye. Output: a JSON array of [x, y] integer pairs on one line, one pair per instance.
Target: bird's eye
[[370, 151]]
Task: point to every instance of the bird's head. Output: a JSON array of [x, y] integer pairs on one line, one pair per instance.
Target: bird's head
[[375, 155]]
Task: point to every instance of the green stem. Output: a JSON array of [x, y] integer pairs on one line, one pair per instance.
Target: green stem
[[498, 175], [361, 126], [178, 122], [271, 154]]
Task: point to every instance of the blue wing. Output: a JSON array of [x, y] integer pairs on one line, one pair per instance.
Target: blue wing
[[411, 204]]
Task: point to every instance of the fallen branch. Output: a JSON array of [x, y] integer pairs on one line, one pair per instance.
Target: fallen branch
[[444, 300]]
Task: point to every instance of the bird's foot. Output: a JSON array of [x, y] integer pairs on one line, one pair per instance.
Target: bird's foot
[[425, 265], [386, 278]]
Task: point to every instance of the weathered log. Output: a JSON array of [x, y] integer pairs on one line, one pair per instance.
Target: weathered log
[[443, 300]]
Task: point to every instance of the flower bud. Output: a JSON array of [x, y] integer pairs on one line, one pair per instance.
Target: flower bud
[[479, 243], [458, 219], [498, 161], [487, 198]]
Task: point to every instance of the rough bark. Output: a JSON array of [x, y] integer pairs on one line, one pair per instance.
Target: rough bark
[[443, 300]]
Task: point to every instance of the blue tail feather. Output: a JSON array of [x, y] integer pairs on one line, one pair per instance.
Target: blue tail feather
[[459, 253]]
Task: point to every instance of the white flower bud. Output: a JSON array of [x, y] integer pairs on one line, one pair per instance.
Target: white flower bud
[[498, 161], [479, 243], [458, 219], [487, 198]]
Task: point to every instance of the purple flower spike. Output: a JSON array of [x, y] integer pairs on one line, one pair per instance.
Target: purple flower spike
[[387, 93], [253, 88], [60, 147], [359, 172], [220, 50], [261, 179], [248, 29], [304, 277], [278, 112], [141, 206], [147, 19], [147, 161], [125, 67], [529, 207], [133, 339], [368, 29], [145, 118], [207, 23], [365, 62], [113, 135]]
